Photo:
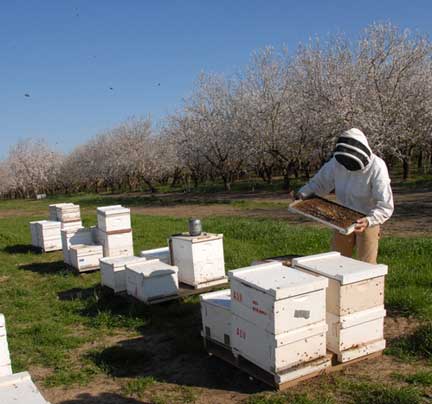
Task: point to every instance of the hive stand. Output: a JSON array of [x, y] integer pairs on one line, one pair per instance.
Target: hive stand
[[276, 381]]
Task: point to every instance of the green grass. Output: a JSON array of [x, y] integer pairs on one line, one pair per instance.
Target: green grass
[[288, 398], [51, 313], [422, 377], [374, 393], [138, 386], [416, 345]]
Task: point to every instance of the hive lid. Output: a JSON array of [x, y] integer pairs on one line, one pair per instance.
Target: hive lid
[[343, 269], [49, 223], [278, 280], [19, 388], [152, 268], [121, 261], [221, 298], [197, 239], [86, 248], [112, 210]]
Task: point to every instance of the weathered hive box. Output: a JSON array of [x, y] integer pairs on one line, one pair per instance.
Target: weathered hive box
[[200, 259], [277, 353], [113, 271], [355, 298], [162, 254], [112, 218], [53, 210], [115, 244], [85, 257], [353, 285], [149, 280], [276, 298], [68, 213], [46, 235], [19, 389], [354, 330], [216, 316], [5, 362], [74, 225], [75, 237]]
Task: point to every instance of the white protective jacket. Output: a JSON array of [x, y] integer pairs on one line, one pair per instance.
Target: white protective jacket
[[367, 191]]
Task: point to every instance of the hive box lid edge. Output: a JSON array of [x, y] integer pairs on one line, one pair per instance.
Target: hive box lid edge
[[219, 298], [122, 260], [343, 269], [278, 280], [149, 268]]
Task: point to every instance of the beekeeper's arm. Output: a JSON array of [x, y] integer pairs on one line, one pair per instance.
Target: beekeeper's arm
[[383, 196], [322, 183]]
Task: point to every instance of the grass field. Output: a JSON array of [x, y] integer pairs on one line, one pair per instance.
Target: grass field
[[76, 338]]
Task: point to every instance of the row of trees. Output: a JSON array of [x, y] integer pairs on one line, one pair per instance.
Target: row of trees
[[279, 116]]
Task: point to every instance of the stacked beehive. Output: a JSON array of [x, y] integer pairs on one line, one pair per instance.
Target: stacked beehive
[[200, 259], [274, 317], [114, 231], [68, 214], [45, 234], [76, 237], [85, 257], [113, 271], [5, 362], [355, 303], [152, 279]]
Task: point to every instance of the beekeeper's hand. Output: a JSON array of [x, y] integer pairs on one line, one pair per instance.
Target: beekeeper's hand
[[362, 225], [302, 196]]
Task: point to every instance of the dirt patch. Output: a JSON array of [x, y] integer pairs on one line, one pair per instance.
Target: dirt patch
[[188, 374]]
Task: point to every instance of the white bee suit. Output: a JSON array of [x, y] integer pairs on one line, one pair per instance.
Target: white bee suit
[[366, 190]]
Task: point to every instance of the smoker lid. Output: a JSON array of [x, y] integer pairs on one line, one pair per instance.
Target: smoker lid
[[343, 269]]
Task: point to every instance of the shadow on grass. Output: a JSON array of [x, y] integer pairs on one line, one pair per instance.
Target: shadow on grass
[[49, 268], [105, 398], [157, 356], [21, 249], [418, 344]]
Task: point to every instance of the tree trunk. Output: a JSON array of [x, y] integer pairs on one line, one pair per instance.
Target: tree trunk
[[420, 162], [406, 168]]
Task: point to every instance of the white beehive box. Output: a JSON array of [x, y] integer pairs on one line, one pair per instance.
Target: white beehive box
[[276, 353], [74, 225], [115, 244], [112, 218], [216, 316], [353, 285], [53, 210], [45, 234], [68, 213], [5, 362], [162, 254], [85, 257], [353, 330], [200, 259], [149, 280], [277, 298], [69, 238], [113, 271], [19, 389]]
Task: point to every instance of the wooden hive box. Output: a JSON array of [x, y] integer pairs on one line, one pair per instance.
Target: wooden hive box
[[276, 298], [200, 259]]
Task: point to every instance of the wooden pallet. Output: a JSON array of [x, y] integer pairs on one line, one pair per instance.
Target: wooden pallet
[[276, 381], [184, 291]]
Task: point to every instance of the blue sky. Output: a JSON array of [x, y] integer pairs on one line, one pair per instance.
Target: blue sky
[[66, 54]]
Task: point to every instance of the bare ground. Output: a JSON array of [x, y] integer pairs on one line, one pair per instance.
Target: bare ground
[[198, 378]]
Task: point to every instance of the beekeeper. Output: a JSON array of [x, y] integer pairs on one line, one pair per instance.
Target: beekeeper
[[361, 182]]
